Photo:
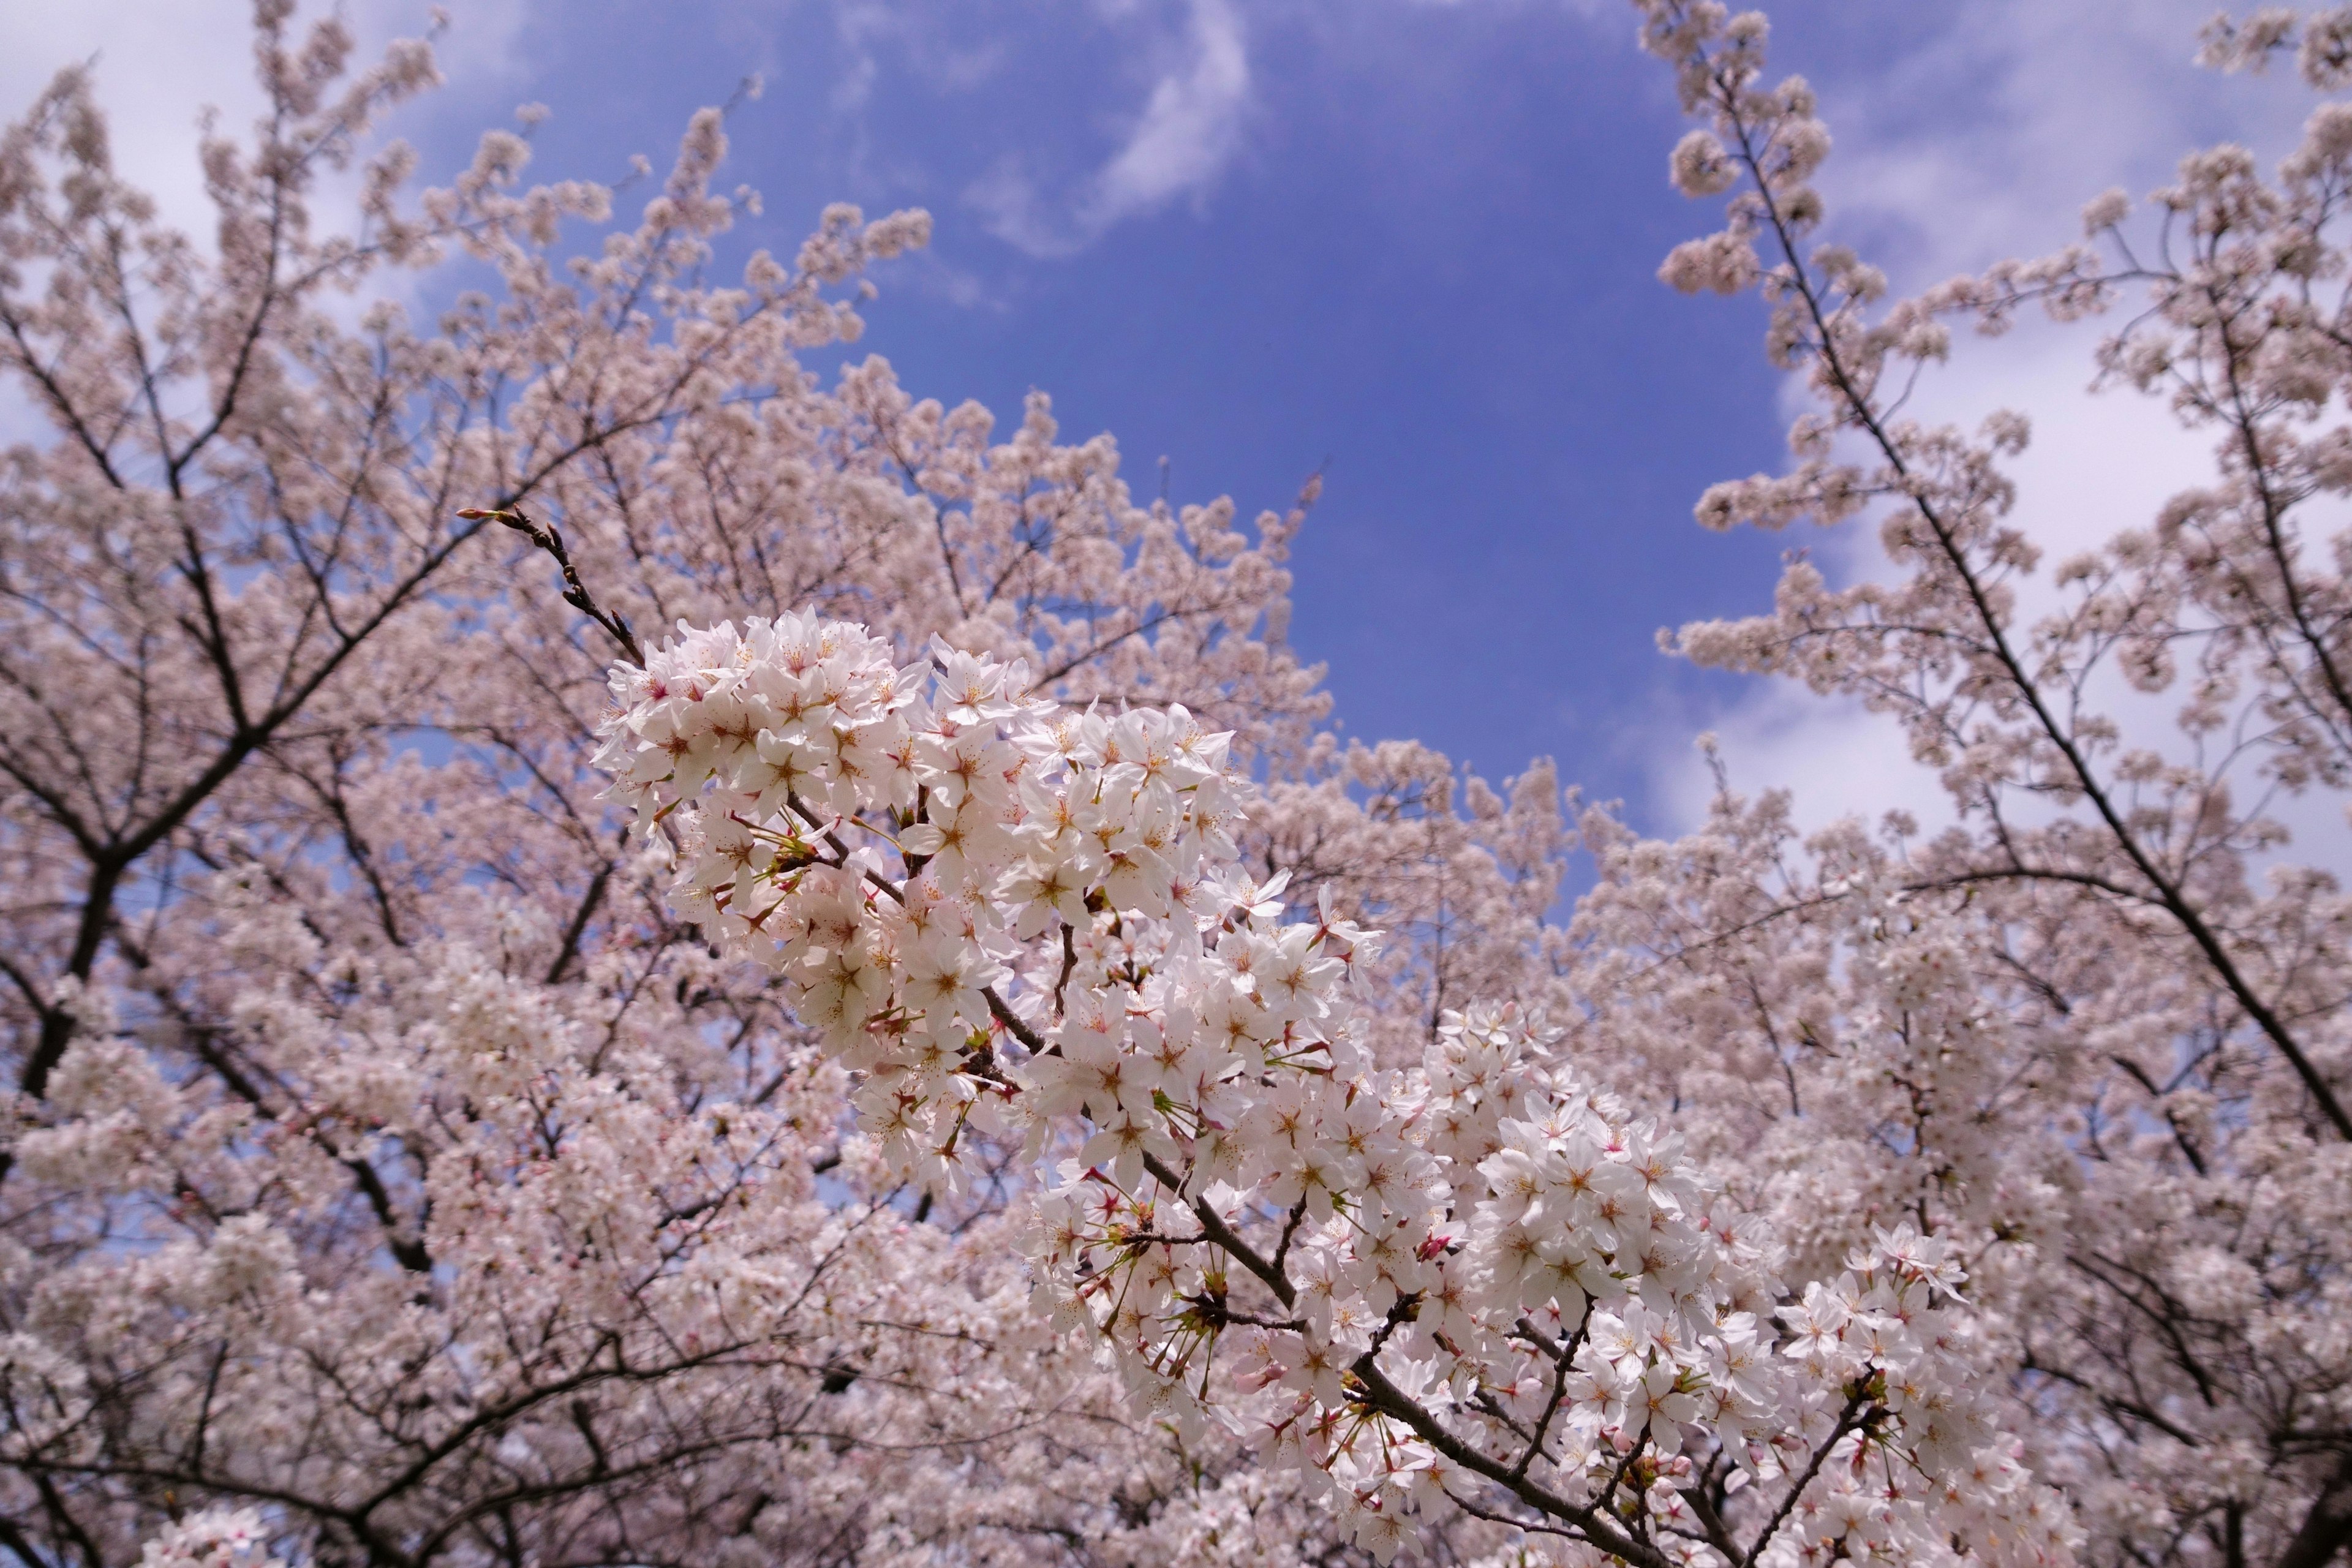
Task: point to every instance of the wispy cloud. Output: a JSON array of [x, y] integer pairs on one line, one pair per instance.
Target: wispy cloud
[[922, 39], [1187, 133], [1190, 128]]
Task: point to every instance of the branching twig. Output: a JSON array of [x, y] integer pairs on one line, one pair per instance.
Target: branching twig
[[575, 593]]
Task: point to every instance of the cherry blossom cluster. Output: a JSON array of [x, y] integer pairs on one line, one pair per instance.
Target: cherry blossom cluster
[[1014, 918], [1493, 1277], [900, 843], [214, 1538]]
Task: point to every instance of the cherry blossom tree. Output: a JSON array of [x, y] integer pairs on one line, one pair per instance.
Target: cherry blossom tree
[[1480, 1285], [939, 1060], [383, 1162], [2091, 1035]]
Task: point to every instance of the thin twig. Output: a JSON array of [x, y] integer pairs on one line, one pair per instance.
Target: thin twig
[[575, 593]]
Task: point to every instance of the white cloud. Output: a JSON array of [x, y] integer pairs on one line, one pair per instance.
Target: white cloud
[[1986, 139], [158, 68], [1189, 128], [2098, 463], [1188, 133]]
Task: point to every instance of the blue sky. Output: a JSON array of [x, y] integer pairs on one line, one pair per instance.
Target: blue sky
[[1425, 254], [1415, 241]]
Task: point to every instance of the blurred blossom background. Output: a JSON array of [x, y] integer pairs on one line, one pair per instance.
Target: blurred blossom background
[[1411, 244]]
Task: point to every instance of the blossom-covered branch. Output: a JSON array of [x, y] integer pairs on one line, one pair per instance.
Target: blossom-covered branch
[[1485, 1278]]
